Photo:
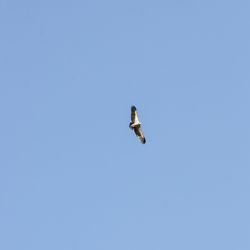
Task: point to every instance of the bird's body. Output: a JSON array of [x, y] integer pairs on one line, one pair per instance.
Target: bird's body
[[136, 125]]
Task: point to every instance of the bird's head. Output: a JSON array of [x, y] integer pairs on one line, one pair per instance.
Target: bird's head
[[130, 125]]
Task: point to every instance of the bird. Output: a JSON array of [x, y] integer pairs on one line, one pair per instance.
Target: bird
[[136, 125]]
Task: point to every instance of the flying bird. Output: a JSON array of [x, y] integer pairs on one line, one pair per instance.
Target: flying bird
[[136, 125]]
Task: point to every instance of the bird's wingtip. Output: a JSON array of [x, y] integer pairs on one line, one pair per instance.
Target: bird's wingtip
[[133, 108]]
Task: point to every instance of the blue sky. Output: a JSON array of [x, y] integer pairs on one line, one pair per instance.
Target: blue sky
[[72, 174]]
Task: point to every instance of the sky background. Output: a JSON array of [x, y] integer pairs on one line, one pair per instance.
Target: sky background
[[72, 173]]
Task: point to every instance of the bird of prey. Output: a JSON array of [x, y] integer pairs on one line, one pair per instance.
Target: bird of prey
[[136, 125]]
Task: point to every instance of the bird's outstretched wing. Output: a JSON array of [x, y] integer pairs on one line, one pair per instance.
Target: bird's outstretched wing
[[134, 115], [140, 135]]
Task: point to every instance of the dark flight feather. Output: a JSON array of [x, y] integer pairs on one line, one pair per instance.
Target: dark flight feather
[[140, 135]]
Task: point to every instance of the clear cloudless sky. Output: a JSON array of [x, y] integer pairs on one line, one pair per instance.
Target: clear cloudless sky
[[72, 173]]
